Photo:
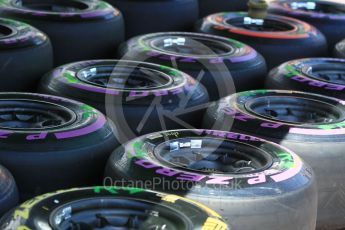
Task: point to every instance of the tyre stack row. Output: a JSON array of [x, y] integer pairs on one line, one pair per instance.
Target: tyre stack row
[[170, 99]]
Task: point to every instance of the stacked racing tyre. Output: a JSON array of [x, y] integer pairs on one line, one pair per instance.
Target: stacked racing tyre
[[324, 76], [8, 191], [339, 51], [111, 208], [50, 143], [78, 29], [277, 38], [252, 183], [20, 44], [222, 65], [207, 7], [151, 16], [326, 15], [311, 125], [139, 97]]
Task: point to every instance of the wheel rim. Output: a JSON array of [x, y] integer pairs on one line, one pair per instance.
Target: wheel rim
[[333, 72], [191, 46], [52, 5], [122, 77], [295, 110], [215, 156], [116, 213], [269, 25], [33, 115], [320, 7]]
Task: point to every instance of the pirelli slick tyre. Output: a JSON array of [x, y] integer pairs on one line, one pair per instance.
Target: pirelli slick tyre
[[311, 125], [339, 51], [8, 191], [324, 76], [326, 15], [150, 16], [278, 38], [139, 97], [222, 65], [50, 143], [20, 44], [207, 7], [111, 208], [252, 183], [79, 29]]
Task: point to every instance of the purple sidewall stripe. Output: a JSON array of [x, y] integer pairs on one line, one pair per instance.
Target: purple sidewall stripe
[[100, 122]]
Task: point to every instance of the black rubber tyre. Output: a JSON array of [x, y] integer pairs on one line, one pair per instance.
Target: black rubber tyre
[[222, 65], [311, 125], [20, 44], [8, 191], [279, 39], [324, 76], [207, 7], [151, 16], [326, 15], [248, 181], [112, 208], [79, 29], [50, 143], [132, 94], [339, 51]]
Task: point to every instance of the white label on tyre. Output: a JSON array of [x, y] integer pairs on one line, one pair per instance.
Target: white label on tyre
[[196, 144]]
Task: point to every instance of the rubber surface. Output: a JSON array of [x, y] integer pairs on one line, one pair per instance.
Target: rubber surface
[[320, 143], [8, 191], [65, 144], [222, 65], [91, 29], [207, 7], [139, 97], [326, 15], [150, 16], [20, 44], [148, 206], [284, 187], [323, 76], [280, 39]]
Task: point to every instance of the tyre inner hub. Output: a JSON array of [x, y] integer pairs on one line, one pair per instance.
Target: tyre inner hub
[[33, 115], [330, 72], [116, 214], [320, 7], [295, 110], [118, 77], [5, 31], [268, 25], [213, 156], [53, 5], [193, 46]]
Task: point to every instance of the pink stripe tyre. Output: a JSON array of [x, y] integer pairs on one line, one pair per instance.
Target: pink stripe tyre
[[252, 183], [311, 125], [20, 45], [132, 94], [324, 76], [50, 143], [222, 65], [78, 29]]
